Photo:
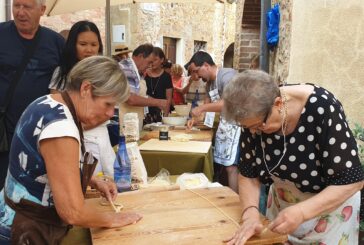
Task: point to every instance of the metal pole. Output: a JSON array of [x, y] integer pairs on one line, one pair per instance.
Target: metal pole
[[108, 28], [264, 52], [8, 9]]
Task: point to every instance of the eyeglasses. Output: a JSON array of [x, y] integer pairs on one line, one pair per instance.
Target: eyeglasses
[[267, 116]]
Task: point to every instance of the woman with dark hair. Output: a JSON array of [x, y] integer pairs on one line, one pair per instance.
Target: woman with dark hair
[[159, 85], [83, 41]]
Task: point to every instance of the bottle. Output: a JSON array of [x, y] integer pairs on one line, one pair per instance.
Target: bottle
[[196, 99], [194, 102], [122, 167]]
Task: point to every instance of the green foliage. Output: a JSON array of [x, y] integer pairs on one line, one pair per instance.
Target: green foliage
[[358, 132]]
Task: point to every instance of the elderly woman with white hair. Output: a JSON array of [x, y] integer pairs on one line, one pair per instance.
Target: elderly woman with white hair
[[42, 194], [295, 139]]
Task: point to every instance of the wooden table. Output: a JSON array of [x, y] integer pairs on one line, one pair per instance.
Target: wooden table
[[178, 217]]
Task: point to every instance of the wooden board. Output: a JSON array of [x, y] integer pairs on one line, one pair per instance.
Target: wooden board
[[175, 146], [203, 135], [178, 217]]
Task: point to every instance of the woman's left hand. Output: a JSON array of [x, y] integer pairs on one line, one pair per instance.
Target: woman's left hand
[[288, 220], [107, 189]]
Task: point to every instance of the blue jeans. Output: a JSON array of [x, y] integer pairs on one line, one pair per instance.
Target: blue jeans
[[4, 236]]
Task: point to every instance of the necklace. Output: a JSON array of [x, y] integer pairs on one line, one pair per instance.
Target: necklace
[[284, 129], [155, 87]]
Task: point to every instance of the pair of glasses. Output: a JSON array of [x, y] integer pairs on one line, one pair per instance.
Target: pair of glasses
[[266, 117]]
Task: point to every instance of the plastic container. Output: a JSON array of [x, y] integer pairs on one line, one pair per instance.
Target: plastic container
[[122, 167], [175, 121], [131, 127]]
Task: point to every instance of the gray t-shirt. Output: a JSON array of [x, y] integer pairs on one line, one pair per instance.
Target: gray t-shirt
[[223, 77]]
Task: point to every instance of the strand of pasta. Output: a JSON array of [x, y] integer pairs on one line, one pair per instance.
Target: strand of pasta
[[213, 204]]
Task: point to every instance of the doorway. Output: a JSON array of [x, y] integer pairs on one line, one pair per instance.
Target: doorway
[[170, 48]]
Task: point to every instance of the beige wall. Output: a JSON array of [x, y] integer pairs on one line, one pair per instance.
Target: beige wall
[[327, 48], [212, 23]]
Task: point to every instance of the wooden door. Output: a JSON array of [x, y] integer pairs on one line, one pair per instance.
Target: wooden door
[[170, 48]]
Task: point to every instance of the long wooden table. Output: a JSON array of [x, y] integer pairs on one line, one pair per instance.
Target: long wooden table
[[178, 217]]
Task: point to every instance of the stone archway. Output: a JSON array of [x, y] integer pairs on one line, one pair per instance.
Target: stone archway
[[229, 56]]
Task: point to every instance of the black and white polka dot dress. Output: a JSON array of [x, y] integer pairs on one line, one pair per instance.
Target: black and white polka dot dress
[[321, 151]]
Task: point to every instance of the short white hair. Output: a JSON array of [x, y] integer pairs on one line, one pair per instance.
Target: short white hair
[[41, 2]]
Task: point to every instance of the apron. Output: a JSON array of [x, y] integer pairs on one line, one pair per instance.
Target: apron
[[341, 226], [141, 111], [227, 137]]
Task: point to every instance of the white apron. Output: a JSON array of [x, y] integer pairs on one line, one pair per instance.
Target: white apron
[[226, 139], [340, 227]]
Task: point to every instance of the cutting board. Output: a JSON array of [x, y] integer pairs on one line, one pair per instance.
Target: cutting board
[[178, 217], [203, 135], [175, 146]]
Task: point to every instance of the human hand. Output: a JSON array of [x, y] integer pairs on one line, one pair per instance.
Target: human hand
[[125, 218], [107, 188], [190, 123], [288, 220], [164, 106], [247, 229], [196, 112]]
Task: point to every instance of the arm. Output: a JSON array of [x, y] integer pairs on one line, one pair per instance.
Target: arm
[[61, 157], [169, 97], [185, 89], [136, 100], [213, 107], [249, 191], [322, 203]]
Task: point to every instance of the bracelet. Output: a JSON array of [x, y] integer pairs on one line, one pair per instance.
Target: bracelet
[[252, 206]]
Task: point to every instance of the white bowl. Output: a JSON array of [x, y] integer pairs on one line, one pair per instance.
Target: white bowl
[[183, 110], [175, 121]]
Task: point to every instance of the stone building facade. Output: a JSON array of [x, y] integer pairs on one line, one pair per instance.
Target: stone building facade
[[188, 25], [321, 42]]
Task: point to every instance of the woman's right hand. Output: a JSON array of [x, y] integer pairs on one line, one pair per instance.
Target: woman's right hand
[[247, 229], [125, 218]]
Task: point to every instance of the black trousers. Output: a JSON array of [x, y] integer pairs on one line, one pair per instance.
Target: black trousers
[[4, 163]]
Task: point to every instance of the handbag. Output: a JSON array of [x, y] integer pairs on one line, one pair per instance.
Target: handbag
[[4, 141]]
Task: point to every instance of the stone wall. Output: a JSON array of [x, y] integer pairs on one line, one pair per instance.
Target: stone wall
[[65, 21], [212, 23], [280, 56], [327, 48]]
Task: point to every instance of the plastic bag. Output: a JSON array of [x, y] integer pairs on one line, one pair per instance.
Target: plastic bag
[[192, 181], [138, 171], [161, 179], [273, 17]]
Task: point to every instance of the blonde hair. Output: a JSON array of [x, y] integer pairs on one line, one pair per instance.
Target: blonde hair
[[104, 74], [177, 70]]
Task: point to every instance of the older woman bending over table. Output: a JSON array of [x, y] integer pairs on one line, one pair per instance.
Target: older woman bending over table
[[297, 139], [43, 185]]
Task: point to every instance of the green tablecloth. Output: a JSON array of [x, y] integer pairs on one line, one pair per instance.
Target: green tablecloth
[[178, 162], [78, 236]]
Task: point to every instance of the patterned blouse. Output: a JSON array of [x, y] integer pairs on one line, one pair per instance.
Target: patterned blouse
[[321, 151]]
